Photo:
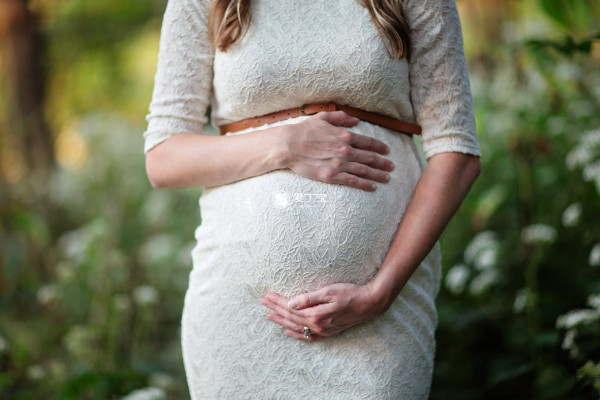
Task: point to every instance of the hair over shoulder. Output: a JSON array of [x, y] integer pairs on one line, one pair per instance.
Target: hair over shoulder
[[229, 19]]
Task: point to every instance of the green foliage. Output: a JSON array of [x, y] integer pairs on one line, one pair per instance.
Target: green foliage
[[572, 15], [580, 22], [590, 371], [105, 320], [567, 46], [522, 250]]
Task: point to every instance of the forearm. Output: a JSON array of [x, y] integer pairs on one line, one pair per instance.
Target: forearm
[[193, 160], [443, 185]]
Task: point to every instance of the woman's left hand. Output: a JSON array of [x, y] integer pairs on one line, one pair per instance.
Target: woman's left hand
[[326, 312]]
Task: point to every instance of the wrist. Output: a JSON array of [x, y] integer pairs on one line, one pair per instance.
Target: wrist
[[378, 300], [279, 150], [383, 292]]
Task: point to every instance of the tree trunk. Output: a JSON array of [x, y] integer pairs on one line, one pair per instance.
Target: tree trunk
[[22, 46]]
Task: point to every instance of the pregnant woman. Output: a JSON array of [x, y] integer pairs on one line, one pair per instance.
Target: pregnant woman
[[307, 282]]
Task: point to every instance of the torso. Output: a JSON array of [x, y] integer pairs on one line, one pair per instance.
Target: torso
[[298, 52]]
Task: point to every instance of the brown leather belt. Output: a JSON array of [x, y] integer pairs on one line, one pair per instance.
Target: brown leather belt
[[308, 109]]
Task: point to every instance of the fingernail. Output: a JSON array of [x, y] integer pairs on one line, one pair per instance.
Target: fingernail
[[373, 186], [387, 177], [293, 304]]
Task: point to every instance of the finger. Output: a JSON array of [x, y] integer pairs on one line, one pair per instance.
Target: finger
[[297, 323], [337, 175], [366, 142], [298, 303], [286, 323], [277, 298], [347, 179], [310, 316], [372, 160], [283, 311], [337, 118], [308, 300], [300, 336], [366, 172]]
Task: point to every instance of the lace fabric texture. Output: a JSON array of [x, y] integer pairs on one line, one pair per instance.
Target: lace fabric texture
[[282, 232]]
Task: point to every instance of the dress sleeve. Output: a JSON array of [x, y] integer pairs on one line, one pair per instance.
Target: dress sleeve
[[183, 80], [440, 90]]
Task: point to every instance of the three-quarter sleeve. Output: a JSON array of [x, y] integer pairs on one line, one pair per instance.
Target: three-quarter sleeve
[[183, 80], [440, 89]]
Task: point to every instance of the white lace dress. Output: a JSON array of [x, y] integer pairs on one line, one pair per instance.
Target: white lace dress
[[286, 233]]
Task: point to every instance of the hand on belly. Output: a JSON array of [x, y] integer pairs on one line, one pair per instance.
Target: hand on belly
[[326, 312]]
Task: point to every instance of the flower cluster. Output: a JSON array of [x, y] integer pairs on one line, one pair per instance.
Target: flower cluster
[[149, 393], [482, 254], [578, 323], [586, 155]]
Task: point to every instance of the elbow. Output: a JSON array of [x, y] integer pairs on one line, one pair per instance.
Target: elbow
[[155, 174], [473, 169], [154, 178]]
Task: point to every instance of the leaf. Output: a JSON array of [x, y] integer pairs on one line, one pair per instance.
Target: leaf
[[567, 45], [556, 10], [575, 16]]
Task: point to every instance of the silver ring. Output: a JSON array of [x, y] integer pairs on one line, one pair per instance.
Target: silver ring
[[307, 332]]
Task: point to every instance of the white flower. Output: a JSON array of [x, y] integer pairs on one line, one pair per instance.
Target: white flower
[[591, 173], [578, 156], [145, 295], [571, 215], [47, 294], [585, 151], [483, 250], [149, 393], [538, 234], [161, 380], [456, 278], [520, 300], [486, 258], [594, 258], [481, 283], [568, 343], [75, 243], [35, 372], [159, 247], [481, 241], [586, 154], [569, 339], [577, 317], [594, 301]]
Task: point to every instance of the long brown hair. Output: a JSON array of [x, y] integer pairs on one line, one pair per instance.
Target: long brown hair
[[229, 19]]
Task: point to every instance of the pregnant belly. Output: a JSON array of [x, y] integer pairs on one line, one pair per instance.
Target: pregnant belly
[[283, 232]]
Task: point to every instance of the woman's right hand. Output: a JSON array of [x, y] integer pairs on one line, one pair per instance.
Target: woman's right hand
[[320, 148]]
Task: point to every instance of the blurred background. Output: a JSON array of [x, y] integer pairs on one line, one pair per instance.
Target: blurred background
[[94, 262]]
